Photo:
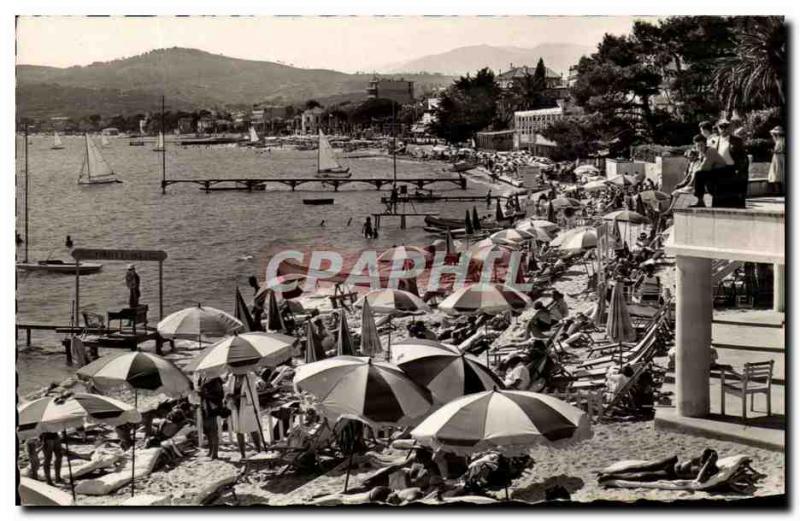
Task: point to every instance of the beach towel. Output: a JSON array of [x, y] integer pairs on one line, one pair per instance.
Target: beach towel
[[145, 464], [729, 470]]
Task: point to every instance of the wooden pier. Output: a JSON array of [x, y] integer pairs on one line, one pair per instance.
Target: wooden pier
[[443, 198], [294, 182]]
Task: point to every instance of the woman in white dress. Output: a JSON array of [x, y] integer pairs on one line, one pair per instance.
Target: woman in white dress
[[777, 168], [241, 397]]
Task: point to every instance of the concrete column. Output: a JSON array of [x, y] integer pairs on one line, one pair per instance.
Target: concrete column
[[778, 288], [694, 313]]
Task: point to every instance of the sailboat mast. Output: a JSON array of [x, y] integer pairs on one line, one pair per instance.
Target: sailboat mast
[[319, 149], [88, 160], [394, 151], [163, 150], [26, 193]]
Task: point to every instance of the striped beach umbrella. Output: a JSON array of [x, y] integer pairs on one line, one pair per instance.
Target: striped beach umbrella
[[622, 180], [58, 413], [511, 235], [595, 186], [377, 393], [400, 254], [242, 353], [541, 224], [501, 253], [490, 298], [137, 370], [198, 322], [392, 301], [626, 216], [587, 169], [559, 203], [511, 422], [443, 369], [579, 241]]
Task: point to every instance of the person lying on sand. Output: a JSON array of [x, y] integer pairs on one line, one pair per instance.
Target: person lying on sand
[[700, 469]]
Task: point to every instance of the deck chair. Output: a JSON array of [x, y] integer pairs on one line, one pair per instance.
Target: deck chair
[[755, 379]]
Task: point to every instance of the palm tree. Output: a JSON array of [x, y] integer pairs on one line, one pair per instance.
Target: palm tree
[[754, 77]]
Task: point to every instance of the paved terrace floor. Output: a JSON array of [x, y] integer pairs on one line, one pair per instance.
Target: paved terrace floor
[[747, 336]]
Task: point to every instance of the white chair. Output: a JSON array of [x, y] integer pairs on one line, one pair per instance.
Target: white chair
[[756, 378]]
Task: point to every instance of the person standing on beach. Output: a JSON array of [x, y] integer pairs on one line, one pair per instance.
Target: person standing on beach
[[51, 446], [212, 396], [367, 228], [68, 243], [132, 282], [242, 400]]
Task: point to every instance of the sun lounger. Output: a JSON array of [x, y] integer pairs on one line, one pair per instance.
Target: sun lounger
[[146, 460], [34, 493]]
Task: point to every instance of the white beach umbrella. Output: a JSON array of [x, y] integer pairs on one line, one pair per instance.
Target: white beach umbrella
[[242, 353]]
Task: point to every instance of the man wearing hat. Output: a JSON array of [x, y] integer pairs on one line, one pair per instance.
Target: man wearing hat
[[734, 177], [132, 282], [777, 168]]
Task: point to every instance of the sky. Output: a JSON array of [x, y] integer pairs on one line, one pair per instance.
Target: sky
[[348, 44]]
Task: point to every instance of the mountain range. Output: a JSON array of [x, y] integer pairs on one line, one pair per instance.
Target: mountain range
[[193, 79], [557, 56], [189, 78]]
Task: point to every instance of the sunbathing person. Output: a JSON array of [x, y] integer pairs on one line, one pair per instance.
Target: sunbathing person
[[700, 469]]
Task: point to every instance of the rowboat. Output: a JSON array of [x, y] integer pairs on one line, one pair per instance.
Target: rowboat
[[59, 266], [317, 202]]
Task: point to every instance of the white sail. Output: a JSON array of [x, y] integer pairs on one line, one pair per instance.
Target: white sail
[[253, 135], [57, 141], [95, 169], [327, 160], [160, 142], [104, 140]]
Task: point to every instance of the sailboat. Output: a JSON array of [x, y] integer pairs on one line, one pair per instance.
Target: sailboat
[[95, 170], [49, 265], [159, 143], [253, 135], [57, 145], [327, 164]]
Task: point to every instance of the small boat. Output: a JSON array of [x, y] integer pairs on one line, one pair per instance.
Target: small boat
[[49, 265], [95, 170], [59, 266], [443, 223], [136, 143], [57, 144], [236, 188], [327, 164], [317, 202], [159, 143]]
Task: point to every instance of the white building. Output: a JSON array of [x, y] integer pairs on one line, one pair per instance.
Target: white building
[[311, 120], [528, 124]]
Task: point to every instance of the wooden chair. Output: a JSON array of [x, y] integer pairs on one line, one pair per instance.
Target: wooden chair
[[755, 379]]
